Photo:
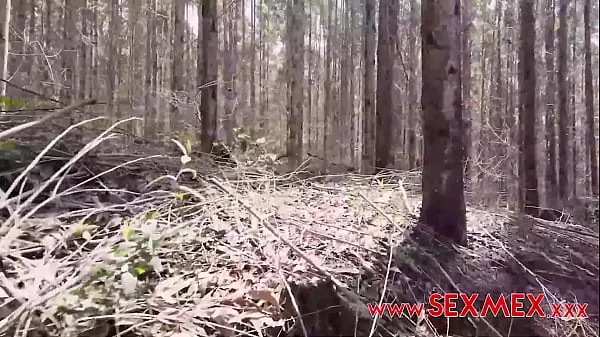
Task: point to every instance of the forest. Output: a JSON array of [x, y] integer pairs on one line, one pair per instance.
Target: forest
[[278, 168]]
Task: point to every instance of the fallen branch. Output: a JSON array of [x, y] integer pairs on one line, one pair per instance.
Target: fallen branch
[[364, 313], [56, 113]]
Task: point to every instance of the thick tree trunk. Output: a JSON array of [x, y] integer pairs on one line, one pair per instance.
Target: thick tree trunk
[[527, 85], [443, 205]]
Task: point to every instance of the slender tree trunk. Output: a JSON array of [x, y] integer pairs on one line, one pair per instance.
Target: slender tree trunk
[[210, 46], [572, 93], [370, 31], [84, 51], [589, 101], [111, 76], [151, 70], [6, 8], [33, 6], [229, 73], [551, 180], [466, 85], [328, 103], [295, 81], [386, 51], [177, 86], [563, 117], [253, 71], [497, 117]]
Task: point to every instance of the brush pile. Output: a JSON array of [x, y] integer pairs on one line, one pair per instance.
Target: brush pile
[[101, 239]]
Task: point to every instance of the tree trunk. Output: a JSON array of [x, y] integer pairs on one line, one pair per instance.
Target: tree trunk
[[111, 64], [328, 103], [589, 101], [443, 205], [6, 7], [370, 31], [572, 108], [551, 192], [497, 120], [466, 85], [150, 118], [178, 14], [527, 85], [563, 117], [229, 71], [253, 111], [386, 52], [69, 53], [295, 81], [210, 46], [85, 51]]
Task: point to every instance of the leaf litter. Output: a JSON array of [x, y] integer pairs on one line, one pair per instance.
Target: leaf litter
[[243, 252]]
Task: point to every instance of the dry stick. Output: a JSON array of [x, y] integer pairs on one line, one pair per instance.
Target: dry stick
[[29, 91], [294, 303], [49, 180], [389, 219], [27, 125], [364, 312], [387, 271]]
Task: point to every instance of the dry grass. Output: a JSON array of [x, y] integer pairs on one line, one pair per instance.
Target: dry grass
[[129, 244]]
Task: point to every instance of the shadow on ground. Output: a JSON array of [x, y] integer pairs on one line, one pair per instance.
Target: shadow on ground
[[506, 254], [513, 254]]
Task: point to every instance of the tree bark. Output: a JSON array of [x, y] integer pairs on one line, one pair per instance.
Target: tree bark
[[551, 181], [6, 8], [150, 119], [370, 31], [443, 205], [466, 85], [563, 117], [589, 101], [527, 85], [295, 81], [386, 52], [210, 65], [178, 15]]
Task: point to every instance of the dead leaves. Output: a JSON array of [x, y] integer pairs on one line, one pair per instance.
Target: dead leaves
[[217, 297]]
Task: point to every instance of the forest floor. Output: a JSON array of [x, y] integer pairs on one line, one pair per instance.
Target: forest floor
[[212, 250]]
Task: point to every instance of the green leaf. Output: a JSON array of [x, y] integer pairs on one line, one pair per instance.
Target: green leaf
[[128, 233], [188, 146], [8, 145], [13, 103]]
